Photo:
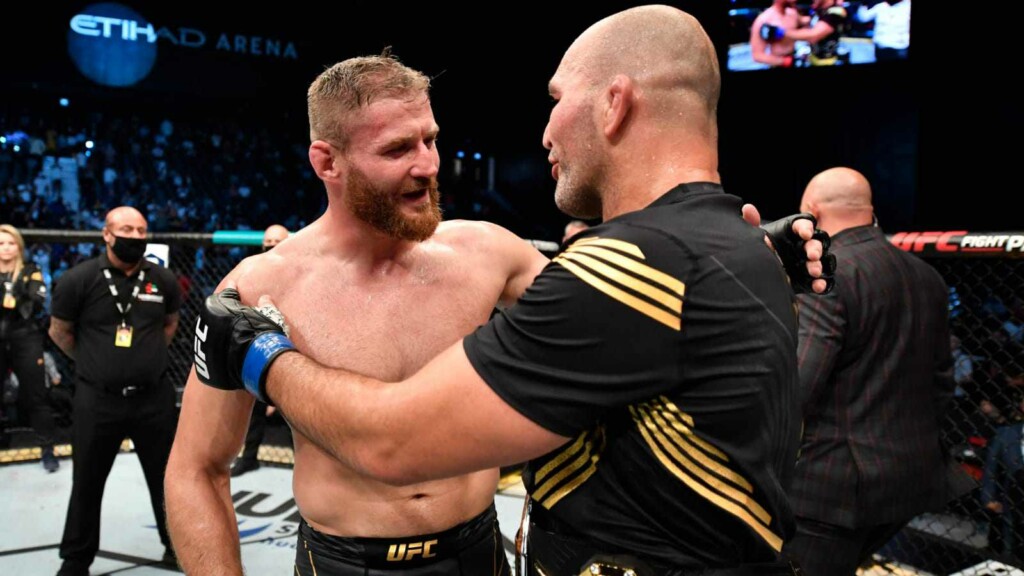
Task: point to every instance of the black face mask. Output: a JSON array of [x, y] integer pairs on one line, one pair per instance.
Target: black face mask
[[129, 250], [267, 248]]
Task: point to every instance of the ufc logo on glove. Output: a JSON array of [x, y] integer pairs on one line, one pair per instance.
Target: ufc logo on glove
[[200, 356], [245, 341]]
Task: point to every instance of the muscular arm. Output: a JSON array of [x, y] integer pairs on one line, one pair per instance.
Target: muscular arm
[[170, 326], [812, 34], [62, 332], [524, 263], [443, 421], [758, 47], [200, 513]]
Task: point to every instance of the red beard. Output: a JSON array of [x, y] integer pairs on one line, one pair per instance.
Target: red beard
[[383, 210]]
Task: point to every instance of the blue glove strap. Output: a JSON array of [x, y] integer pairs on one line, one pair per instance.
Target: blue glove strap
[[263, 349]]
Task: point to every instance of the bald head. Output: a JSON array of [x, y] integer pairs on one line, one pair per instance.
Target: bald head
[[660, 47], [124, 215], [840, 198], [124, 233], [635, 105], [274, 235]]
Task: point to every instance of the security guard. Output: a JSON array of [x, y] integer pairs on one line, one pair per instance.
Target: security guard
[[115, 315]]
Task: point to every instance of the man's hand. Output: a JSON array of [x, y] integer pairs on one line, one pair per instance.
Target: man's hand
[[235, 344], [801, 247]]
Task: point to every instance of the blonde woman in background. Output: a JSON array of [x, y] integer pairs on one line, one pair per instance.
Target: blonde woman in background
[[21, 339]]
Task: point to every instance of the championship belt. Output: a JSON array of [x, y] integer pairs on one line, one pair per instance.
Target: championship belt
[[603, 565], [597, 565], [828, 61]]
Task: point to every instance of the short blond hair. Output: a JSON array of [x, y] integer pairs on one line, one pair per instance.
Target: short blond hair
[[354, 83]]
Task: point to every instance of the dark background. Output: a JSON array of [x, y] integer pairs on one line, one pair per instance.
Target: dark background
[[927, 141]]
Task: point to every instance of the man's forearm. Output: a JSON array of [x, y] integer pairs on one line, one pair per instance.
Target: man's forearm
[[811, 35], [201, 521], [326, 406], [65, 341], [410, 431], [170, 327]]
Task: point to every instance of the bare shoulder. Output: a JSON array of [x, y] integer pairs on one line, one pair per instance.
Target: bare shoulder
[[475, 235], [273, 272], [507, 256]]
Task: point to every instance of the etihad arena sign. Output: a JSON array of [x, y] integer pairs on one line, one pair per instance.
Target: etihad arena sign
[[114, 45]]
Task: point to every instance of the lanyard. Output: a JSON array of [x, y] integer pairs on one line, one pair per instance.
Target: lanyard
[[113, 292], [10, 302]]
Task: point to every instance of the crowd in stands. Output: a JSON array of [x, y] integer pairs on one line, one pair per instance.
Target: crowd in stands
[[65, 170], [186, 176]]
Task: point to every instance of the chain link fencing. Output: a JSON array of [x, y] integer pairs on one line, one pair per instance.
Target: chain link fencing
[[982, 532], [199, 261], [983, 529]]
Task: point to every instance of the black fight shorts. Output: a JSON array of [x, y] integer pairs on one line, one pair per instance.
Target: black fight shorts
[[473, 548]]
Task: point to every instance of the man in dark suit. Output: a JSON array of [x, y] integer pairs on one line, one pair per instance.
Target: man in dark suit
[[876, 374]]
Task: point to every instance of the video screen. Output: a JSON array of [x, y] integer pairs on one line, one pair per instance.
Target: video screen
[[789, 34]]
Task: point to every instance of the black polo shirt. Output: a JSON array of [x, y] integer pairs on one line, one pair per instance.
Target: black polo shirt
[[664, 343], [82, 296]]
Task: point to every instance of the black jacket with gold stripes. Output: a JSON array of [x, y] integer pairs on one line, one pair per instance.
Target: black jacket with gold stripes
[[664, 343]]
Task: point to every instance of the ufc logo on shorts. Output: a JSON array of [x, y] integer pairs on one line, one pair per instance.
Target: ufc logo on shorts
[[200, 356], [399, 552]]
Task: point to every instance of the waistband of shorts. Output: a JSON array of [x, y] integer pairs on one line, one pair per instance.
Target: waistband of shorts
[[401, 551]]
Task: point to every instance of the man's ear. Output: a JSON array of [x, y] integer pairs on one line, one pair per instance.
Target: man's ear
[[810, 207], [620, 97], [326, 164]]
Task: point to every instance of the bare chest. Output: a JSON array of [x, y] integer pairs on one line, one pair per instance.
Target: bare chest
[[387, 328]]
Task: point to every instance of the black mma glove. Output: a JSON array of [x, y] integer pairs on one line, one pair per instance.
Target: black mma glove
[[790, 248], [235, 344]]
